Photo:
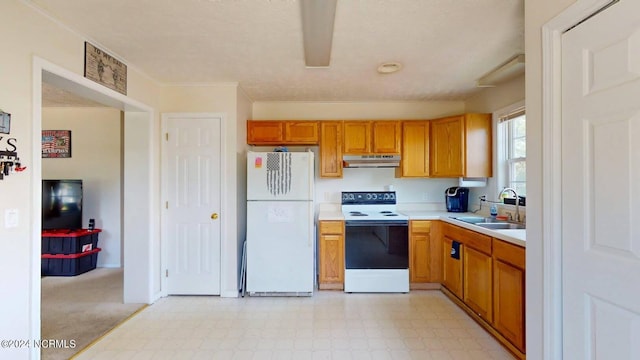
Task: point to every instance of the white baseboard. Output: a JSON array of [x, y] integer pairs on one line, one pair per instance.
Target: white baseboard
[[111, 266], [229, 294]]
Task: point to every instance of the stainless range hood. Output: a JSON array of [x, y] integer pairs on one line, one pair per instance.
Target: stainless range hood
[[371, 161]]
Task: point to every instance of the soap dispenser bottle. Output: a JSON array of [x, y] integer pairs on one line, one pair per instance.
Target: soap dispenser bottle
[[493, 211]]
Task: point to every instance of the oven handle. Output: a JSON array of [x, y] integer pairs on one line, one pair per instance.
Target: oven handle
[[377, 222]]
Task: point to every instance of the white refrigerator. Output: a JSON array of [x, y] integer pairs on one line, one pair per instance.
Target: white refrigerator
[[280, 232]]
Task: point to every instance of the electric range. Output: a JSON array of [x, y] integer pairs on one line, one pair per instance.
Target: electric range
[[376, 243]]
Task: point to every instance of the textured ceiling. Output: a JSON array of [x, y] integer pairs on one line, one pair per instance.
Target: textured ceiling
[[444, 45]]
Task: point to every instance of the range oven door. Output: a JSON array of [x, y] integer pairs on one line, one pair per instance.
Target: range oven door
[[377, 244], [376, 257]]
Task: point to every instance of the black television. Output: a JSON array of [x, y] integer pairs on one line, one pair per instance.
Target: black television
[[61, 204]]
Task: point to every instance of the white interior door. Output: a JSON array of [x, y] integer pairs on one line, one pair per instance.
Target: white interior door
[[191, 225], [601, 185]]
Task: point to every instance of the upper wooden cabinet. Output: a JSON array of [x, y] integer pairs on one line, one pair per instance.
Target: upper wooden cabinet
[[372, 137], [357, 137], [461, 146], [415, 149], [331, 149], [385, 137], [276, 132]]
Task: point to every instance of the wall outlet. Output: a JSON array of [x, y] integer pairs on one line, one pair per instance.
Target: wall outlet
[[425, 196]]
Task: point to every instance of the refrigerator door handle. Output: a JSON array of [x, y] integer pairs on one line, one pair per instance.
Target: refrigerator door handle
[[311, 232]]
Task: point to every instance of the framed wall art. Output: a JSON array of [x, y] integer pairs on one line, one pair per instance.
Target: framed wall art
[[5, 122], [104, 69], [56, 143]]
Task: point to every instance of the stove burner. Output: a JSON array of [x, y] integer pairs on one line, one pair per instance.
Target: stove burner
[[357, 213], [390, 214], [385, 212]]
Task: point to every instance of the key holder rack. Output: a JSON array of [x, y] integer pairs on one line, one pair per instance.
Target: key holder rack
[[9, 160], [9, 163]]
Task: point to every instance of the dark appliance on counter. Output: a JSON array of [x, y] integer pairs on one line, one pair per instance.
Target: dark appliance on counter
[[457, 199]]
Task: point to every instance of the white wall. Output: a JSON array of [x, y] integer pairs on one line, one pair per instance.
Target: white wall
[[95, 158], [299, 110], [27, 33], [490, 100]]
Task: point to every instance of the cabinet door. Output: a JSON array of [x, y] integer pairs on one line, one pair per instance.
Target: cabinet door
[[331, 261], [386, 137], [509, 292], [479, 145], [265, 132], [447, 147], [415, 149], [477, 282], [452, 268], [419, 245], [301, 132], [357, 137], [331, 149]]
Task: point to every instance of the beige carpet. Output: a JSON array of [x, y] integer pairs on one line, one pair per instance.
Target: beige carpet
[[81, 308]]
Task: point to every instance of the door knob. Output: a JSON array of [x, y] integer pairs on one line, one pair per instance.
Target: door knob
[[214, 216]]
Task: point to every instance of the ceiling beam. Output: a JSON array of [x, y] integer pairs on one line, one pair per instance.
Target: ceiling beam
[[317, 27]]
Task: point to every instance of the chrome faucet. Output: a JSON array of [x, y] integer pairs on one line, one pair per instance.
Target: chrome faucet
[[517, 203]]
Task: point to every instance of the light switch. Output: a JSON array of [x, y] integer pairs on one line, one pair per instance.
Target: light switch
[[11, 218]]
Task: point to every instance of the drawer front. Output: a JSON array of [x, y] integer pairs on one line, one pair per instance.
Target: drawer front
[[479, 242], [469, 238], [509, 253], [332, 227], [420, 226]]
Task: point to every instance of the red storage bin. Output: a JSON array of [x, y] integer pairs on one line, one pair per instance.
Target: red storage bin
[[69, 265], [69, 242]]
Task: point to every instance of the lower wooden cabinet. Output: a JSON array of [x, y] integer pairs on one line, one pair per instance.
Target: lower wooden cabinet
[[477, 282], [508, 292], [488, 283], [331, 255], [419, 251], [452, 268]]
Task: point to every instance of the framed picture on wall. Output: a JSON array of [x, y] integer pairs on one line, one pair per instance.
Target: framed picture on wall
[[56, 143], [5, 122]]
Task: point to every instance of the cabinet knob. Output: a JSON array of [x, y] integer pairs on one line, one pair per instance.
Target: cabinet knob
[[214, 216]]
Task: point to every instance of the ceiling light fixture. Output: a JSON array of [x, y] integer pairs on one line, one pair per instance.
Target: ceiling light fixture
[[317, 29], [389, 67], [503, 72]]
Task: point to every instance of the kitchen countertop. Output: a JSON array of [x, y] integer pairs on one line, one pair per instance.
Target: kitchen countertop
[[513, 236]]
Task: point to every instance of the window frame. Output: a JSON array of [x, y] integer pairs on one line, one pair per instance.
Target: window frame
[[504, 144]]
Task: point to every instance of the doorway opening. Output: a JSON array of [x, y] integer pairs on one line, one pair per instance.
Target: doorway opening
[[139, 204]]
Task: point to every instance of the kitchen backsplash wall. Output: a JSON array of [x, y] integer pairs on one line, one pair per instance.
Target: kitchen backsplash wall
[[359, 179]]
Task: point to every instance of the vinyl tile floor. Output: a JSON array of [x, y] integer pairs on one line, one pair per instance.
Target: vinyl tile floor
[[329, 325]]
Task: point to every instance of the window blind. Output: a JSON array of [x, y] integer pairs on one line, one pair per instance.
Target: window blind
[[511, 115]]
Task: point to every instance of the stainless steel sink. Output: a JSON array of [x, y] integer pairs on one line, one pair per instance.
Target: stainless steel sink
[[500, 225]]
